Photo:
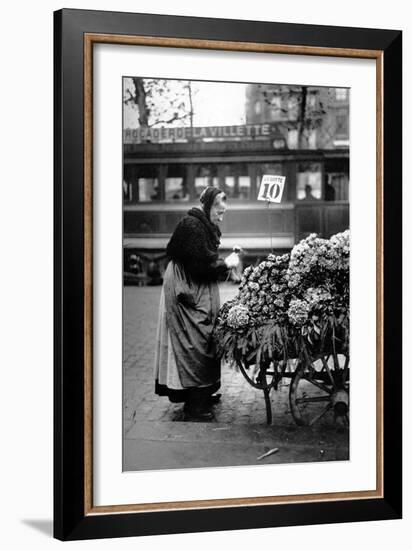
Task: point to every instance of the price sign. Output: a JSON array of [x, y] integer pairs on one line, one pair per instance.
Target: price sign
[[271, 188]]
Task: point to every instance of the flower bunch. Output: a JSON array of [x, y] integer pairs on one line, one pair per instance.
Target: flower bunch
[[318, 272], [318, 298], [290, 296], [238, 316], [298, 312], [264, 288]]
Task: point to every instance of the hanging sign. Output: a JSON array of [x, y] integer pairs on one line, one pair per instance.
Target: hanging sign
[[271, 188]]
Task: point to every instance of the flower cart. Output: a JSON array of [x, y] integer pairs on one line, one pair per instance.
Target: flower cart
[[290, 319]]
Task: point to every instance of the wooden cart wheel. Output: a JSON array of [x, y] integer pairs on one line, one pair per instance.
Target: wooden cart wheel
[[320, 390], [261, 379]]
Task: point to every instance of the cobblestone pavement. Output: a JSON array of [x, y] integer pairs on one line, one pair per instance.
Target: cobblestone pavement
[[240, 403], [151, 421]]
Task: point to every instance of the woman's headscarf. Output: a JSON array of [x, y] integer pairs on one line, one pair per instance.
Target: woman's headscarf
[[207, 198]]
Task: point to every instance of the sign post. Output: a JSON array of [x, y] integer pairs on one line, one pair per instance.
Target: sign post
[[271, 190]]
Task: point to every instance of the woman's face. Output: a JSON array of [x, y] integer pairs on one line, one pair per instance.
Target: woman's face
[[217, 211]]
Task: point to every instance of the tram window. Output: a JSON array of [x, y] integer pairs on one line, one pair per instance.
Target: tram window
[[148, 189], [309, 181], [236, 179], [270, 169], [241, 190], [175, 183], [337, 187], [175, 190], [126, 191], [227, 175], [230, 186], [244, 187], [202, 182], [205, 175]]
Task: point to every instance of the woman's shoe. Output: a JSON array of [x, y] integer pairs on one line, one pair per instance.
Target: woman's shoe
[[196, 412], [213, 399], [197, 416]]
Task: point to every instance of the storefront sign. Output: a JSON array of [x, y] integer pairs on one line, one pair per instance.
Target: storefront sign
[[271, 188], [159, 135]]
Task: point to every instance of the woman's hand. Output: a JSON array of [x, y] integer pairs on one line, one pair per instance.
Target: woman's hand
[[232, 260]]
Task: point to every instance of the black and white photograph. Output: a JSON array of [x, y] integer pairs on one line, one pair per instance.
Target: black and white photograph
[[236, 251], [206, 275]]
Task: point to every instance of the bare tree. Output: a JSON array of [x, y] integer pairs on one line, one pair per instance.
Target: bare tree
[[293, 110], [159, 102]]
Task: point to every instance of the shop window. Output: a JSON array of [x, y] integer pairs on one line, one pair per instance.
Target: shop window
[[312, 138], [342, 126], [311, 100], [276, 108], [341, 94], [309, 181], [258, 108], [293, 108], [293, 136]]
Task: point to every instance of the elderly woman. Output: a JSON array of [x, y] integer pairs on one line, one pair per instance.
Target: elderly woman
[[186, 366]]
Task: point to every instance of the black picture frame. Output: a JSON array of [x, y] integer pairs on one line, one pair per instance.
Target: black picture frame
[[73, 519]]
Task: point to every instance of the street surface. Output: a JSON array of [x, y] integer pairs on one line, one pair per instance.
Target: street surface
[[156, 437]]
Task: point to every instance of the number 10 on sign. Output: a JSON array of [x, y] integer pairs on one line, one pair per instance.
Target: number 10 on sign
[[271, 188]]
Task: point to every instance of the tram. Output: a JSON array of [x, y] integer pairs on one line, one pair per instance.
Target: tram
[[164, 179]]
